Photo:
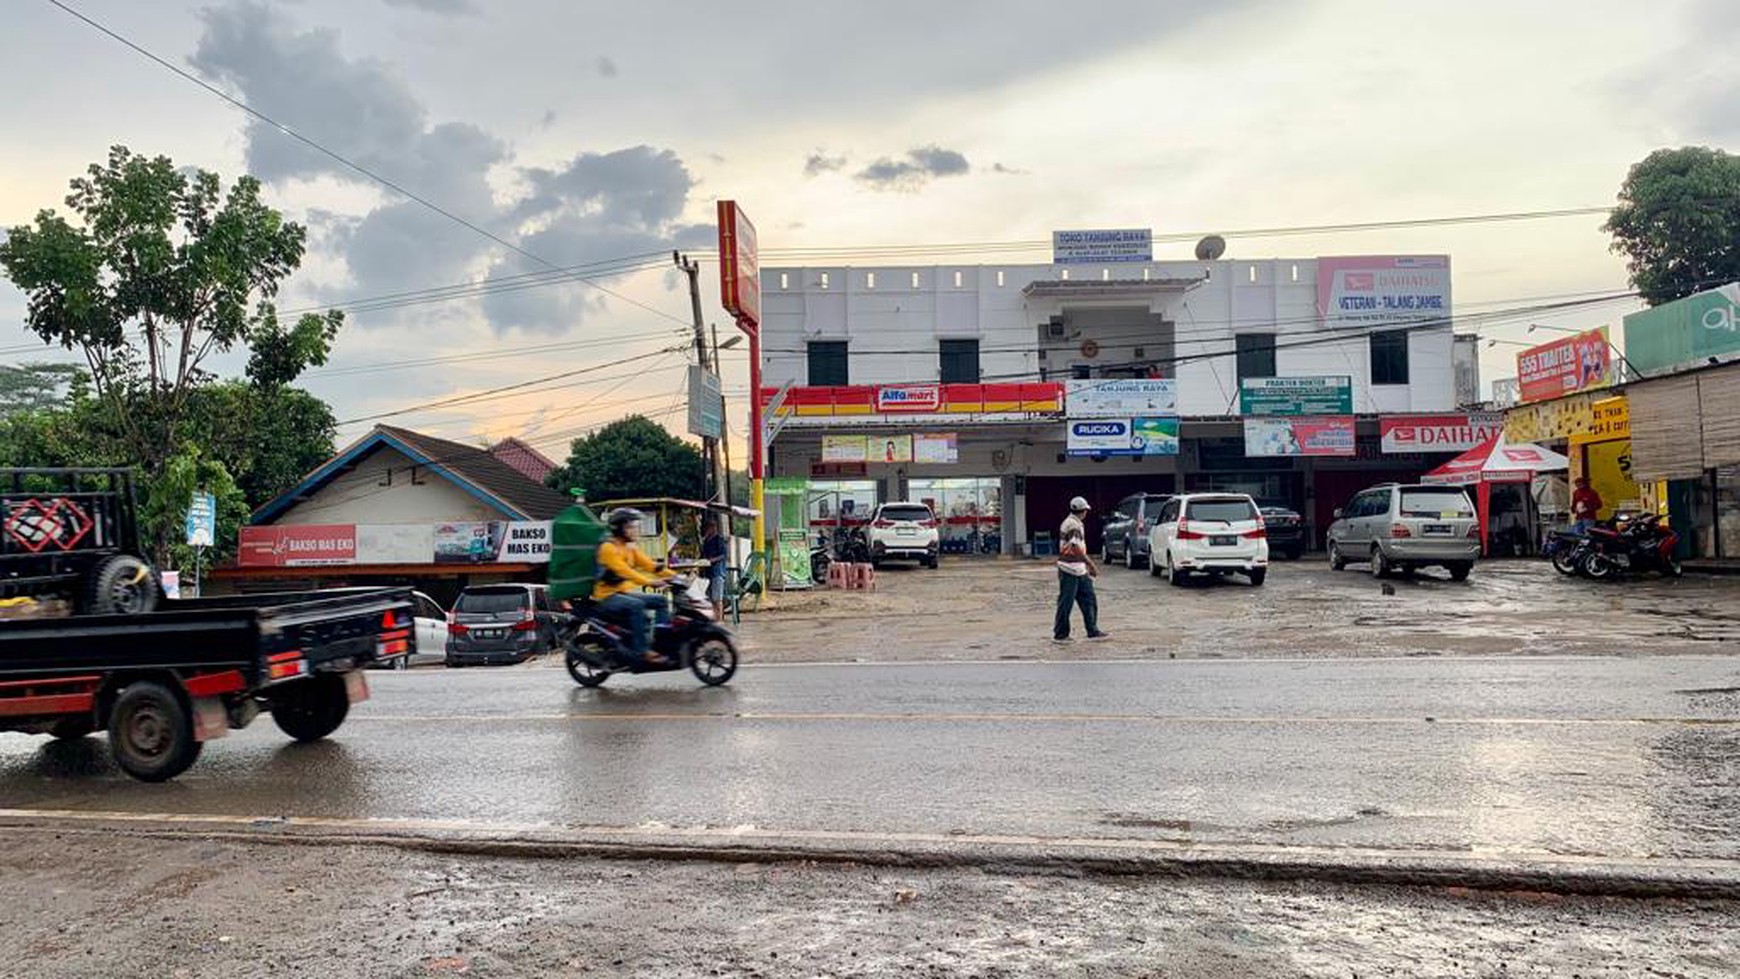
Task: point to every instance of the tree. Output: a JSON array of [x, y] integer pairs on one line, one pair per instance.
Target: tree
[[631, 458], [162, 270], [29, 387], [1678, 222]]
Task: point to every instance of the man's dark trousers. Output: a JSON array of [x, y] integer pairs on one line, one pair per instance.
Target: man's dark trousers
[[1076, 589]]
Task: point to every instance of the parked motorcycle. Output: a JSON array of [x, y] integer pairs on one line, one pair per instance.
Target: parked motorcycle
[[1566, 550], [1639, 544], [849, 546], [596, 648]]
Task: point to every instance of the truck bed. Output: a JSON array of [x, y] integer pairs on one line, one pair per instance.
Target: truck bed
[[331, 631]]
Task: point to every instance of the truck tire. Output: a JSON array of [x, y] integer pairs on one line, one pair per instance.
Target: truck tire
[[310, 709], [72, 728], [120, 584], [151, 732]]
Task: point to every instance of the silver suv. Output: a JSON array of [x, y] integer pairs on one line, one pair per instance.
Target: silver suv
[[1404, 528]]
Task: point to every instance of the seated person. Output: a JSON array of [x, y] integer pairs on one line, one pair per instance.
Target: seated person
[[622, 571]]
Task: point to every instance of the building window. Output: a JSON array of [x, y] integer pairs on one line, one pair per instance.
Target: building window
[[828, 363], [869, 280], [1389, 357], [999, 278], [1256, 354], [915, 280], [824, 280], [960, 361]]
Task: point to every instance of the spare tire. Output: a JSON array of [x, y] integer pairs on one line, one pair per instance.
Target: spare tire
[[120, 584]]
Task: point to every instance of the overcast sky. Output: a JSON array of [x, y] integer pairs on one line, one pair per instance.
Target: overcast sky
[[582, 131]]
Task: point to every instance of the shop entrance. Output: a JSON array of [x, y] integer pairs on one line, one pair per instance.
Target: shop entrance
[[1048, 499]]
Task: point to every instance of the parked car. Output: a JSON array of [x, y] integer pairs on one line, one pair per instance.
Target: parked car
[[1286, 530], [1125, 535], [429, 623], [1405, 528], [904, 531], [1209, 533], [493, 624]]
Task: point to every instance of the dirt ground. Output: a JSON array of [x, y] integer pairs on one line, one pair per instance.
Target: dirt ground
[[185, 910], [989, 609]]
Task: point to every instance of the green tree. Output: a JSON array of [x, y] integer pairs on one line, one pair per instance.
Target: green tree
[[29, 387], [1678, 222], [160, 269], [163, 511], [632, 458]]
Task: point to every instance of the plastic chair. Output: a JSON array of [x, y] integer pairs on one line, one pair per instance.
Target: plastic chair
[[839, 575], [749, 585]]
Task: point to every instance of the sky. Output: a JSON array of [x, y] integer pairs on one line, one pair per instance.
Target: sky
[[577, 131]]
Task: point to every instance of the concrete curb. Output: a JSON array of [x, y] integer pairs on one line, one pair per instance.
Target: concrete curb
[[1544, 873]]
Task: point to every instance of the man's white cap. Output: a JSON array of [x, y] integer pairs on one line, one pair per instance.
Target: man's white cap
[[1078, 504]]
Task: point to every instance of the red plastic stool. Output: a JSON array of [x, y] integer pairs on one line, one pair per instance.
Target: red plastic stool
[[839, 575], [864, 577]]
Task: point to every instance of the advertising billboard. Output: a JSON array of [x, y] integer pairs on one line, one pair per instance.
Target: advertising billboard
[[1149, 436], [1686, 332], [1323, 436], [1327, 395], [1565, 366], [706, 404], [1110, 245], [1120, 398], [935, 447], [1400, 434], [890, 448], [739, 267], [1376, 291], [297, 546], [845, 448]]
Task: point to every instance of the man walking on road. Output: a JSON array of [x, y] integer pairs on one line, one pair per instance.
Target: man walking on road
[[1075, 576]]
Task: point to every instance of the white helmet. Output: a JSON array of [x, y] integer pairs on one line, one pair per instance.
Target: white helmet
[[1079, 505]]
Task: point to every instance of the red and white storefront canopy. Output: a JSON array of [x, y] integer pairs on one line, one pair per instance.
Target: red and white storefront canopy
[[1497, 460]]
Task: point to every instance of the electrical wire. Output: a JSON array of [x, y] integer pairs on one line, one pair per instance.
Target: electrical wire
[[339, 158]]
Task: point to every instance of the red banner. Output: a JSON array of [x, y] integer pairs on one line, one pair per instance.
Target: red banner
[[297, 546], [1565, 366]]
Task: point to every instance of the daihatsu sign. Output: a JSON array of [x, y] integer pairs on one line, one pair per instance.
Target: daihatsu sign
[[1403, 434]]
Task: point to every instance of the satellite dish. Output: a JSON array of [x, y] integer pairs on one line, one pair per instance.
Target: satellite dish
[[1210, 248]]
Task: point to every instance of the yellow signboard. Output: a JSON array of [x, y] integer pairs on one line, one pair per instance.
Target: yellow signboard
[[1579, 417]]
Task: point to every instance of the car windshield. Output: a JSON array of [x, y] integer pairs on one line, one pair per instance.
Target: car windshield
[[492, 601], [1227, 510], [1433, 502], [915, 513]]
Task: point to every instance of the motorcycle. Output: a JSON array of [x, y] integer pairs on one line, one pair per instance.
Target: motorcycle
[[597, 649], [1639, 544], [850, 547], [1566, 551]]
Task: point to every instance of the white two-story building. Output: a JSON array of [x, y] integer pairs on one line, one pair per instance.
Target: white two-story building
[[997, 392]]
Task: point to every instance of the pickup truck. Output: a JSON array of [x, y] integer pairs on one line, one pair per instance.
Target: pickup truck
[[164, 682]]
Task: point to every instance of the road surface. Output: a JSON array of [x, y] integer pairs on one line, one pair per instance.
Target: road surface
[[1618, 759]]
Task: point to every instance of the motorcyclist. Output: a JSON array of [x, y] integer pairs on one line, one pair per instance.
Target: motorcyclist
[[622, 571]]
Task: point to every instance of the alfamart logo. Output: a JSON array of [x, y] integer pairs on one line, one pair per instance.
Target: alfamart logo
[[924, 397]]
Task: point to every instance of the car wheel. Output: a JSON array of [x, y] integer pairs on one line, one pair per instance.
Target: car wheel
[[1154, 569], [1175, 574], [1380, 565], [1257, 575], [1130, 555], [1459, 571], [1336, 561]]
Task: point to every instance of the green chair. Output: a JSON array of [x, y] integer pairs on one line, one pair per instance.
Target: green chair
[[749, 584]]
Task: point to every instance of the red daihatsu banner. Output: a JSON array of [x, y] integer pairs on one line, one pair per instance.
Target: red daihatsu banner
[[297, 546], [1437, 433]]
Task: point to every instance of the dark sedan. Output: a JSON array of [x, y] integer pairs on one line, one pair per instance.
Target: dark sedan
[[1286, 531]]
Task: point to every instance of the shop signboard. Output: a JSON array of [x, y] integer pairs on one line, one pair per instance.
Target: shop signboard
[[202, 520], [468, 542], [845, 448], [1378, 291], [1299, 436], [902, 399], [1684, 333], [1103, 246], [1136, 436], [1327, 395], [706, 404], [297, 546], [1120, 398], [739, 268], [1400, 434], [939, 448], [891, 448], [1564, 366], [527, 542]]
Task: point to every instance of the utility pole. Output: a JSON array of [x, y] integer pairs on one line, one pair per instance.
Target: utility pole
[[709, 444]]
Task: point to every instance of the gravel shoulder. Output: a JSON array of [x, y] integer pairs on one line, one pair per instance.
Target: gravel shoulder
[[133, 907]]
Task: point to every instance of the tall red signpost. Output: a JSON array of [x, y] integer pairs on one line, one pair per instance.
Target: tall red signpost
[[740, 293]]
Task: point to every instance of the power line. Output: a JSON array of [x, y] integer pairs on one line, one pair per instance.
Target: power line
[[337, 157], [492, 354]]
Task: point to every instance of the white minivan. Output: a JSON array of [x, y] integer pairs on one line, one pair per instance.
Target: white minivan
[[1209, 533]]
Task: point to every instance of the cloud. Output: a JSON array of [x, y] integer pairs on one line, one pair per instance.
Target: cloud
[[606, 67], [1007, 170], [921, 166], [820, 162], [436, 6], [597, 206]]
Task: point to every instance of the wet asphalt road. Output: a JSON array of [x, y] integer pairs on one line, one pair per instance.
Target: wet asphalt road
[[1635, 759]]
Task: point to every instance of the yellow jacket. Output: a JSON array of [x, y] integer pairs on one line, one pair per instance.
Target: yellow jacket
[[622, 568]]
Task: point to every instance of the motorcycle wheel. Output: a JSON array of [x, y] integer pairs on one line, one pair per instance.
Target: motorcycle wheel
[[1565, 561], [713, 659], [584, 673], [1599, 567]]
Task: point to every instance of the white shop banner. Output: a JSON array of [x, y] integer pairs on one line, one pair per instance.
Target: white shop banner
[[1121, 398]]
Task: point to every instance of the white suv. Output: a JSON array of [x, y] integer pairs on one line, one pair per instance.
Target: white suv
[[1209, 533], [903, 530]]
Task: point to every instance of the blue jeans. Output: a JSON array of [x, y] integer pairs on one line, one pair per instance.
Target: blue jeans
[[631, 608], [1076, 590], [1581, 527]]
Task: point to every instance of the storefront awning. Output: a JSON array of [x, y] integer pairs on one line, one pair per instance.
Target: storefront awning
[[1497, 460]]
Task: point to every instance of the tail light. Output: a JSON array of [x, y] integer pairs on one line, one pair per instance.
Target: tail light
[[528, 621], [927, 524], [1141, 525], [882, 524], [1185, 533], [1400, 530], [1261, 533], [458, 629]]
